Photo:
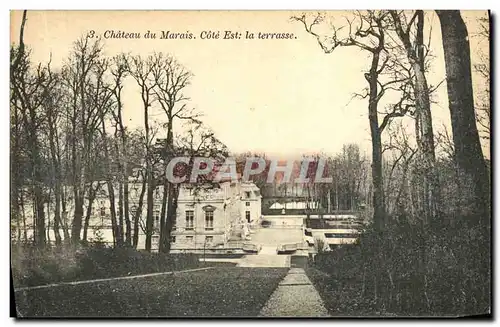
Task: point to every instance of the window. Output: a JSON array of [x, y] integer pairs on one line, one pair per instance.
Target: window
[[172, 239], [247, 204], [157, 217], [247, 215], [209, 220], [174, 224], [189, 219], [103, 211], [189, 239], [209, 239], [247, 195]]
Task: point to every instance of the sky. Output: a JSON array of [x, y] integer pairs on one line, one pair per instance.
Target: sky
[[283, 97]]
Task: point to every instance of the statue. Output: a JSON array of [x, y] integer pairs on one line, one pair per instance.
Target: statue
[[245, 230]]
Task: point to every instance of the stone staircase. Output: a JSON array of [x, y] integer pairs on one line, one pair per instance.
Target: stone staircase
[[267, 257]]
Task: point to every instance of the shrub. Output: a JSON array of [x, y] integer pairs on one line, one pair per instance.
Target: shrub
[[320, 245], [411, 270], [31, 266]]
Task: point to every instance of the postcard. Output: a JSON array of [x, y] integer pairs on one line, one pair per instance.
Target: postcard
[[250, 164]]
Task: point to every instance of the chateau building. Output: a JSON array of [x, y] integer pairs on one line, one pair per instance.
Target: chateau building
[[216, 217], [219, 216]]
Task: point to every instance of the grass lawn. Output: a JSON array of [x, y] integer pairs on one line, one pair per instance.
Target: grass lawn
[[337, 294], [221, 291], [40, 267]]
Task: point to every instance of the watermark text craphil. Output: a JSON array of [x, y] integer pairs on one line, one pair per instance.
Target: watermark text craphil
[[202, 169]]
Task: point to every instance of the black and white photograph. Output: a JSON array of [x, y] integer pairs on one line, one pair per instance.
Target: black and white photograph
[[250, 164]]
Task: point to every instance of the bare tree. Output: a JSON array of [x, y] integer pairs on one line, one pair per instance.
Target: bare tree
[[403, 152], [85, 120], [198, 141], [54, 109], [469, 158], [137, 147], [367, 31], [16, 132], [119, 72], [172, 80], [483, 109], [144, 70], [30, 88], [416, 53]]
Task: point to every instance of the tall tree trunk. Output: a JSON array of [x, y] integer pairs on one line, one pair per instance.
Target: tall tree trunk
[[60, 203], [39, 236], [425, 136], [379, 214], [86, 222], [57, 218], [163, 214], [78, 214], [120, 228], [117, 240], [138, 213], [431, 183], [16, 178], [56, 181], [88, 215], [128, 234], [59, 191], [47, 230], [166, 203], [15, 181], [120, 211], [40, 239], [80, 171], [469, 158], [417, 173], [67, 237], [149, 208], [31, 120], [171, 214], [150, 183], [76, 227], [112, 209], [85, 61], [123, 154], [23, 214], [124, 204]]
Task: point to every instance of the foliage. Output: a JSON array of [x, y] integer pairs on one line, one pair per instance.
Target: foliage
[[98, 240], [320, 245], [408, 270], [32, 266]]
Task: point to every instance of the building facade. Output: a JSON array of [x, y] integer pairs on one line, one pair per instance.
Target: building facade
[[209, 218], [215, 217]]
